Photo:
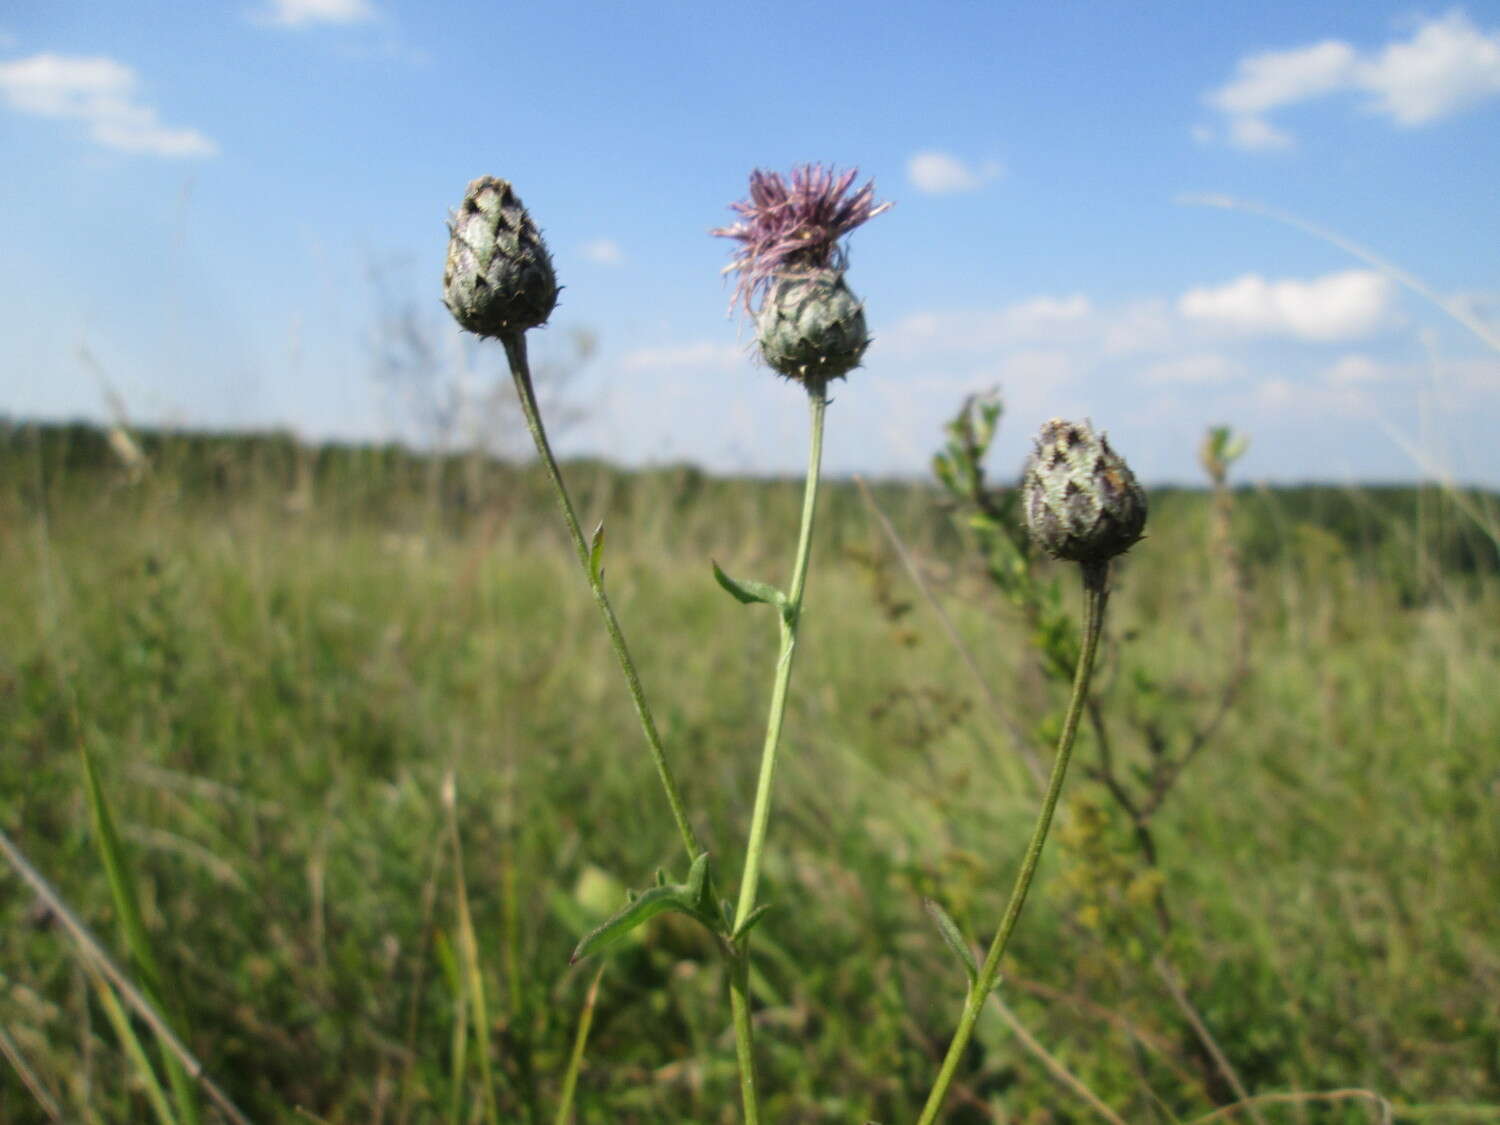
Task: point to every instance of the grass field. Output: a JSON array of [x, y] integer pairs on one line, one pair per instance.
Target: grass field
[[276, 655]]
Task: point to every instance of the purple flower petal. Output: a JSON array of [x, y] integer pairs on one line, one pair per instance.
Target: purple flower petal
[[793, 228]]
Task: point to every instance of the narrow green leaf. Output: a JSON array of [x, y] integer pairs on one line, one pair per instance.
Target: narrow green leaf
[[645, 906], [118, 872], [133, 1050], [747, 592], [575, 1061], [954, 937], [750, 920], [448, 962], [596, 555], [697, 885]]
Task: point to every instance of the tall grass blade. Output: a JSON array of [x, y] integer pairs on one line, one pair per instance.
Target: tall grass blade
[[137, 941], [469, 967], [96, 959], [460, 1045], [29, 1077], [575, 1061], [133, 1050]]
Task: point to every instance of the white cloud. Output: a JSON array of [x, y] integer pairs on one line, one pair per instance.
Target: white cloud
[[1338, 306], [1447, 65], [604, 252], [302, 13], [1200, 369], [1143, 326], [1256, 134], [1041, 318], [1481, 373], [1279, 396], [102, 93], [706, 356], [1276, 78], [1037, 371], [938, 173], [1354, 368]]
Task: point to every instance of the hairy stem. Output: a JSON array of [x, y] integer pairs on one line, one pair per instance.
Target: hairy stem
[[515, 351], [760, 817], [1096, 593]]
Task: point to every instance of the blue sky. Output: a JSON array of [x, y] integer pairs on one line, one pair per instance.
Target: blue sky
[[196, 201]]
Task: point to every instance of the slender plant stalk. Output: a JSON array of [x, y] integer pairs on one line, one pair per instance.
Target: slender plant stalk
[[95, 956], [520, 370], [997, 709], [1206, 1038], [1053, 1064], [744, 1031], [469, 967], [739, 986], [575, 1061], [1096, 593], [122, 889], [29, 1078], [134, 1051]]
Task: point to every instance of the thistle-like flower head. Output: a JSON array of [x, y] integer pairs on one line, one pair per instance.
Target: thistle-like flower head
[[498, 278], [791, 229], [1082, 501]]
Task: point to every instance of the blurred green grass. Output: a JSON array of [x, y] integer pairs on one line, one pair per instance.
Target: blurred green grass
[[275, 653]]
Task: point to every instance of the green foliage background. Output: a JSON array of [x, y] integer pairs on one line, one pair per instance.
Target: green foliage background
[[276, 653]]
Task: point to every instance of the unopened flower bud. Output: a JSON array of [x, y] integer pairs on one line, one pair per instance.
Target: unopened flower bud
[[499, 277], [1082, 501], [812, 327]]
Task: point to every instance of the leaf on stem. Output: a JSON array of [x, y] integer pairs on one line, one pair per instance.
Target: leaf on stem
[[954, 938], [596, 555], [697, 884], [750, 920], [748, 592], [692, 898]]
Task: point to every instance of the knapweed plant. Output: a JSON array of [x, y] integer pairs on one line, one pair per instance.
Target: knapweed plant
[[1081, 504], [1114, 867]]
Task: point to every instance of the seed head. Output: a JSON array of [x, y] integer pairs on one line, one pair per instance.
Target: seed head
[[794, 228], [1082, 501], [498, 278]]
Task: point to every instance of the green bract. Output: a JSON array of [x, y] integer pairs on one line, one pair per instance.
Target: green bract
[[498, 278], [812, 328], [1082, 501]]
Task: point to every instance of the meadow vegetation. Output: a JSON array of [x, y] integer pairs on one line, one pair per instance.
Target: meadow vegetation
[[276, 655]]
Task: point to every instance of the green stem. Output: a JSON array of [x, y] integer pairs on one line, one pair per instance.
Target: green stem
[[739, 988], [1096, 593], [790, 620], [515, 351], [744, 1031]]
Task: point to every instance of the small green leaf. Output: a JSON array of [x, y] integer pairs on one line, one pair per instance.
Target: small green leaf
[[748, 592], [642, 908], [948, 928], [596, 555], [750, 920], [942, 468], [697, 884]]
